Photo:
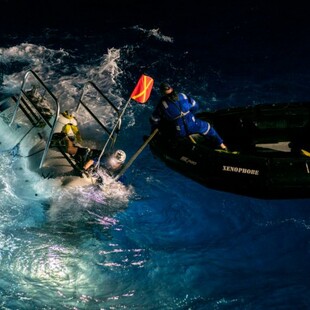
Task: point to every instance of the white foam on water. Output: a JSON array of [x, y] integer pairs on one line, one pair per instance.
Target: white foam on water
[[156, 33]]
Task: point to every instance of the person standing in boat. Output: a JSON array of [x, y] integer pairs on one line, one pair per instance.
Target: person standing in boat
[[177, 110]]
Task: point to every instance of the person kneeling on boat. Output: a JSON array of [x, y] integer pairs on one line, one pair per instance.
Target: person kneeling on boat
[[87, 158], [178, 109]]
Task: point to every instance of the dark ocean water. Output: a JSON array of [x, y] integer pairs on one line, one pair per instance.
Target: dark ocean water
[[163, 241]]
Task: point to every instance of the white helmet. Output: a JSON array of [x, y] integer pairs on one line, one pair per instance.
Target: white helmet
[[120, 156], [116, 160]]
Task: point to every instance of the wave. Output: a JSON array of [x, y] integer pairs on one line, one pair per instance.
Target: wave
[[59, 69], [154, 33]]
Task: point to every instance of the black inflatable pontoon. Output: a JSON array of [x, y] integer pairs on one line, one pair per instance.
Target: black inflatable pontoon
[[268, 155]]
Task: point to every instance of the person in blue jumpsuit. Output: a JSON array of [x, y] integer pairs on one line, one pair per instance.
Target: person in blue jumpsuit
[[178, 109]]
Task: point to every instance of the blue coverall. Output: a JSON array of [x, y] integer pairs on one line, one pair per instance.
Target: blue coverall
[[181, 113]]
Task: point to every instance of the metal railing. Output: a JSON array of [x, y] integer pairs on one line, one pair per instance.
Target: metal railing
[[32, 75], [112, 132], [34, 113]]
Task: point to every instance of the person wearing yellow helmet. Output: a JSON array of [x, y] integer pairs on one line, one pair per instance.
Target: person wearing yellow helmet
[[85, 157]]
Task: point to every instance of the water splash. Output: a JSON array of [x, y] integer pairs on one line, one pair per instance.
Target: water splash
[[156, 33]]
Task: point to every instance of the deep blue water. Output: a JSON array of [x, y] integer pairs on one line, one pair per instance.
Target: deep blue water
[[162, 241]]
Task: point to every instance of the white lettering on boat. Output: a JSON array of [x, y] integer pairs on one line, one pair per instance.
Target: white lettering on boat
[[188, 161], [240, 170]]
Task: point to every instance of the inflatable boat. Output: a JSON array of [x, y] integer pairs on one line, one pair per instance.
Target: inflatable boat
[[268, 152]]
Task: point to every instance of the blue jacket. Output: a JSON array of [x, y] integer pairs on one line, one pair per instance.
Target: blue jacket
[[180, 113]]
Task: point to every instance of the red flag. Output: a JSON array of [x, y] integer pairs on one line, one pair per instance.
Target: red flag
[[143, 89]]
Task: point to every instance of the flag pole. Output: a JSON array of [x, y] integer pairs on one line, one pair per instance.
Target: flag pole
[[112, 133], [141, 94]]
